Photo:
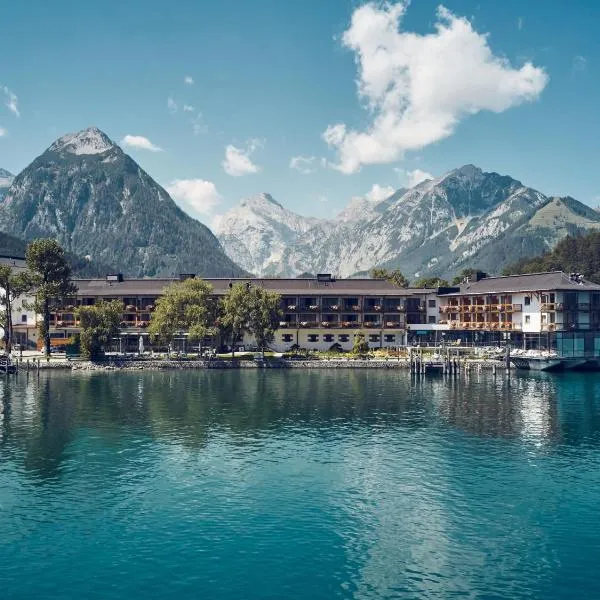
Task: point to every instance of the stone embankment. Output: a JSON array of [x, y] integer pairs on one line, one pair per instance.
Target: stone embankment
[[278, 363]]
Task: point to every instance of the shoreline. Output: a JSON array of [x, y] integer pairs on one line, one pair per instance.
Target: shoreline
[[222, 364]]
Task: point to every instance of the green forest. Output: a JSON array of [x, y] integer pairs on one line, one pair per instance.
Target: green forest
[[580, 253]]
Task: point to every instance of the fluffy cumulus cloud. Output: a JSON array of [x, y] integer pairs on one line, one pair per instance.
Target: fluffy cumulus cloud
[[419, 87], [305, 164], [11, 101], [188, 79], [140, 142], [379, 192], [238, 161], [2, 132], [415, 177], [188, 108], [196, 196]]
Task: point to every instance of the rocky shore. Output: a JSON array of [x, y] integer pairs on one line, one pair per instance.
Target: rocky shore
[[277, 363]]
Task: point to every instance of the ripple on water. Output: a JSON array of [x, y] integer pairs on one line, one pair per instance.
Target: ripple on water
[[299, 484]]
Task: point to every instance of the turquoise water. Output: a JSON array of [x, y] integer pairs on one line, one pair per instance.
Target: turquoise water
[[299, 484]]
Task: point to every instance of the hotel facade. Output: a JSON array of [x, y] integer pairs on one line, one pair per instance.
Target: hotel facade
[[538, 310]]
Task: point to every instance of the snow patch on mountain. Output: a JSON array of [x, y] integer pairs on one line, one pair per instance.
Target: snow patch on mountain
[[464, 218], [87, 141]]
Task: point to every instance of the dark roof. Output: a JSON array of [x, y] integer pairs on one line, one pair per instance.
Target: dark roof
[[339, 287], [532, 282]]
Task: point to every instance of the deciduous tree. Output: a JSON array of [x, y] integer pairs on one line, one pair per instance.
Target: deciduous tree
[[185, 306], [13, 285], [98, 324], [395, 277], [265, 314], [430, 282]]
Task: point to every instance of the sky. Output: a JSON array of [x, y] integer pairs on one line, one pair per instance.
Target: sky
[[314, 102]]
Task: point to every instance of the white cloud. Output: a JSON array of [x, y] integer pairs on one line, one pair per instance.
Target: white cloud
[[198, 125], [171, 105], [3, 132], [414, 177], [140, 142], [579, 64], [188, 80], [12, 102], [304, 164], [237, 160], [379, 192], [520, 23], [419, 87], [196, 196], [188, 108]]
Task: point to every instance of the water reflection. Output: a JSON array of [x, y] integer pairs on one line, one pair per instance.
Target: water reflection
[[42, 415]]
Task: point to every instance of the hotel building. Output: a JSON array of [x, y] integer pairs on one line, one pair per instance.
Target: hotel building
[[538, 310]]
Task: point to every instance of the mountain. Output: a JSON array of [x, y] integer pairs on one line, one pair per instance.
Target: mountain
[[465, 218], [257, 232], [6, 179], [98, 202]]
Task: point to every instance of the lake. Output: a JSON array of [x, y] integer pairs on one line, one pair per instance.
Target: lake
[[299, 484]]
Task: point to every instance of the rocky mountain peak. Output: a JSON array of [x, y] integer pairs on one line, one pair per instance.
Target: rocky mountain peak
[[260, 200], [97, 201], [86, 141]]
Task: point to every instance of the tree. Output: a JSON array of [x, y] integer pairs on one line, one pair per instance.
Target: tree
[[265, 314], [13, 285], [573, 254], [184, 306], [361, 346], [49, 275], [98, 324], [395, 277], [464, 274], [252, 309], [235, 308], [430, 282]]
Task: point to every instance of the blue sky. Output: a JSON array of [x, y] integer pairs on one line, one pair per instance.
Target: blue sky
[[513, 88]]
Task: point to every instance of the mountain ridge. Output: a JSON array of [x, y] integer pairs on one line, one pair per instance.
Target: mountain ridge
[[97, 201], [465, 217]]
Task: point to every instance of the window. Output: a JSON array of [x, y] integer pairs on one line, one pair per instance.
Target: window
[[389, 338], [343, 337], [527, 300], [431, 319], [374, 337], [328, 337], [313, 337], [432, 303], [23, 318], [287, 337], [527, 319]]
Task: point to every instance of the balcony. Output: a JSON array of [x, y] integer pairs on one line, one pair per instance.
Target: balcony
[[548, 307], [584, 306], [331, 308], [372, 324], [290, 308], [393, 324], [517, 307], [347, 324], [548, 326], [306, 324]]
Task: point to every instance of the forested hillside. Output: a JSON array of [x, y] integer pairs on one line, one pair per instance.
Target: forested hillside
[[574, 253]]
